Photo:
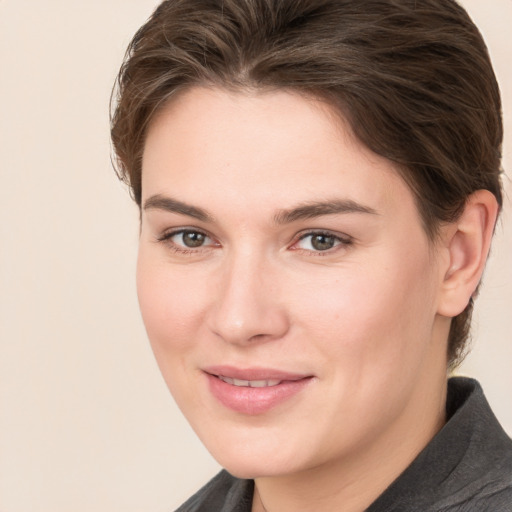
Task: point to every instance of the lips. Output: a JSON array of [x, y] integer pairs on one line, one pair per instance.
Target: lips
[[255, 390], [250, 383]]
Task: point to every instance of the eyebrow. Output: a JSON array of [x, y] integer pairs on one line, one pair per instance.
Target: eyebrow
[[159, 202], [303, 211], [311, 210]]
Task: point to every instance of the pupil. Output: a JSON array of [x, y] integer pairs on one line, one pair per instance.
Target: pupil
[[322, 242], [192, 239]]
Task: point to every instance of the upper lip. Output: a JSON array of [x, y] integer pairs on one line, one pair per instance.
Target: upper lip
[[255, 373]]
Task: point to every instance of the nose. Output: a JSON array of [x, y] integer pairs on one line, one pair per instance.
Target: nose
[[248, 308]]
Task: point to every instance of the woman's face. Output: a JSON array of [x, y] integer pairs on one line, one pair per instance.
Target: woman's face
[[287, 286]]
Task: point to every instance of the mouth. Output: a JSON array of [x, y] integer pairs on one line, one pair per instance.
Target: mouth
[[250, 383], [254, 391]]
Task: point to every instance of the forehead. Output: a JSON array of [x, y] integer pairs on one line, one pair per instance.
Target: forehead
[[261, 149]]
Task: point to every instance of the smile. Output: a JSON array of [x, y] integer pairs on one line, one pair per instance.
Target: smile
[[250, 383], [254, 391]]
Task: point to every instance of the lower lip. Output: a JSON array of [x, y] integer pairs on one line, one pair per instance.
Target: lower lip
[[252, 401]]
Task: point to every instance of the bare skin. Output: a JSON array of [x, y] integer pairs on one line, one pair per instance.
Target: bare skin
[[272, 240]]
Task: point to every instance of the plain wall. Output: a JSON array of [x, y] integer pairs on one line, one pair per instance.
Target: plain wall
[[86, 422]]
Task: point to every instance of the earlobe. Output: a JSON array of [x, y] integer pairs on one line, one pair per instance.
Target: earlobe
[[468, 241]]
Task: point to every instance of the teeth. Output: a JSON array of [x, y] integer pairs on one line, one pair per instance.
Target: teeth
[[241, 383], [264, 383], [250, 383]]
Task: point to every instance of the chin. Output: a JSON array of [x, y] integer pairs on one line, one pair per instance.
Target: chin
[[257, 469], [258, 458]]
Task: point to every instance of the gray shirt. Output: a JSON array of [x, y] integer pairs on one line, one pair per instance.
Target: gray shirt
[[467, 467]]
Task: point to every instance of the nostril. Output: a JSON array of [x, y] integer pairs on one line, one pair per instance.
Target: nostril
[[257, 337]]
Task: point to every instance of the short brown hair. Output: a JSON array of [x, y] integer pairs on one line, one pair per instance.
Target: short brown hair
[[414, 80]]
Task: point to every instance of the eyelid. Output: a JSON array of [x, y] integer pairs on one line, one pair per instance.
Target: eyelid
[[343, 239], [168, 233], [166, 236]]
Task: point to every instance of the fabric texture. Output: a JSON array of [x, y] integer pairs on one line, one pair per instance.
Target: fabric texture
[[467, 467]]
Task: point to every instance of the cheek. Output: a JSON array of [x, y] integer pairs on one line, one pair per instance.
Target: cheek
[[170, 304], [171, 309], [372, 311]]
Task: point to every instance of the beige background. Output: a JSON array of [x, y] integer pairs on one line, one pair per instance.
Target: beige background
[[86, 423]]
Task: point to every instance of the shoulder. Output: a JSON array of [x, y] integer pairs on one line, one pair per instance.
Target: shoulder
[[488, 500], [467, 467], [482, 478], [223, 493]]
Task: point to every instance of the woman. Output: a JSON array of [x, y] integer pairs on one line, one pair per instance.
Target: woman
[[318, 184]]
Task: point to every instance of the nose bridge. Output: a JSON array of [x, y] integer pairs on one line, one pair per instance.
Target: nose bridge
[[247, 307]]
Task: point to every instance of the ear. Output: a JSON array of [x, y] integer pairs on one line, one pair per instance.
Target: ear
[[467, 241]]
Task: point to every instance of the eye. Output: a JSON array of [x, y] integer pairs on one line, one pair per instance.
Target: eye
[[320, 242], [185, 239], [191, 239]]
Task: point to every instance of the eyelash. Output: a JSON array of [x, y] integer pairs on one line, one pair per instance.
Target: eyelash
[[166, 238], [340, 242]]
